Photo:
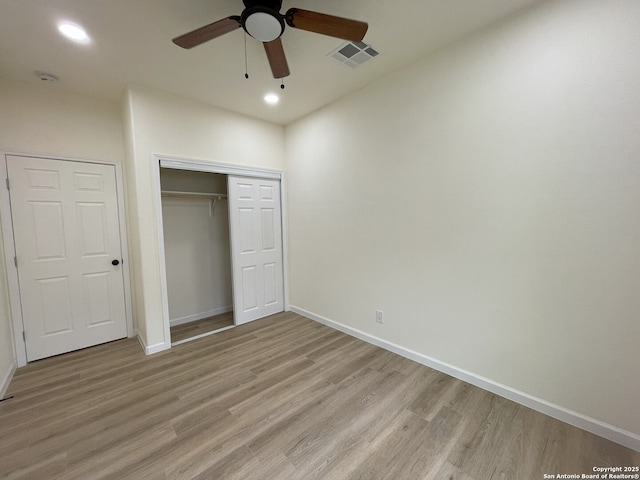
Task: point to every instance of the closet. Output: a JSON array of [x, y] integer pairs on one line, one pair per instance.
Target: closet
[[195, 216]]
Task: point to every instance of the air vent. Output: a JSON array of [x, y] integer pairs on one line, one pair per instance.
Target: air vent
[[353, 54], [46, 77]]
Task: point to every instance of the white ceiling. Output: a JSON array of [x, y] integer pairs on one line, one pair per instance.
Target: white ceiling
[[131, 43]]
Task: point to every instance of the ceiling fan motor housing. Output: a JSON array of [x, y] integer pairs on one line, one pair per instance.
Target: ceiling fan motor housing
[[262, 20]]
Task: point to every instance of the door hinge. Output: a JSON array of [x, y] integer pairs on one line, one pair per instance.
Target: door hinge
[[24, 336], [15, 261], [7, 179]]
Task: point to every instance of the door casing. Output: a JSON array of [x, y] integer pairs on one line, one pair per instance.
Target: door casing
[[10, 250]]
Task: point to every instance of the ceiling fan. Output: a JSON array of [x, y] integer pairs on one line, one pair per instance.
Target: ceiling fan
[[263, 21]]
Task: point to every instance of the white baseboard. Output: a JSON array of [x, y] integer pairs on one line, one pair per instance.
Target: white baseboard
[[151, 349], [4, 384], [200, 316], [615, 434]]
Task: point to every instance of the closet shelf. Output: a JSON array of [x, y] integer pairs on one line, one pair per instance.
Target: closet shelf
[[212, 197]]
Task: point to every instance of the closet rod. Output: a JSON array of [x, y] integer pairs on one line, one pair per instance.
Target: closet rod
[[171, 193], [212, 197]]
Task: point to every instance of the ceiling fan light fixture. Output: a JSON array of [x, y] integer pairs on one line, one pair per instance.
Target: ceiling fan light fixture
[[262, 24]]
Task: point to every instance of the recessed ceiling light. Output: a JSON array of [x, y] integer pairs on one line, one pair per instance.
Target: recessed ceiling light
[[73, 32], [271, 98]]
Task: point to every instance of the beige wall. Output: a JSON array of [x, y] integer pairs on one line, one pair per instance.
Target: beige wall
[[170, 125], [43, 120], [486, 199]]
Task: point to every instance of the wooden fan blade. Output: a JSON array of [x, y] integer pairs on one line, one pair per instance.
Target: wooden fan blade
[[277, 58], [208, 32], [326, 24]]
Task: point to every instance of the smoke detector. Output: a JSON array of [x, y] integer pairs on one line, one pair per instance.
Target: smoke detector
[[46, 77], [353, 54]]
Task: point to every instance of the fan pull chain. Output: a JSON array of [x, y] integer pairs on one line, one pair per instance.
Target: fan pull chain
[[246, 68], [282, 84]]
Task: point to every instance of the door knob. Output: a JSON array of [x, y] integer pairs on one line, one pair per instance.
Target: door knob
[[115, 262]]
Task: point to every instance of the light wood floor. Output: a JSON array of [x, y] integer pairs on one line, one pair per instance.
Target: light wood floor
[[206, 325], [282, 398]]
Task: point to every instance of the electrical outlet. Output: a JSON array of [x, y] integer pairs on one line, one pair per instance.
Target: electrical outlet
[[379, 316]]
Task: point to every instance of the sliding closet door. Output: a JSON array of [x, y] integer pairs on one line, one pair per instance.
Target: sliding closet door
[[256, 246]]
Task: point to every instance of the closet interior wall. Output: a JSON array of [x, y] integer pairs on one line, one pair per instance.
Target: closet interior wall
[[197, 248]]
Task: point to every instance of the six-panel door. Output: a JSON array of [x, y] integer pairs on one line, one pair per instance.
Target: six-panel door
[[256, 243], [67, 235]]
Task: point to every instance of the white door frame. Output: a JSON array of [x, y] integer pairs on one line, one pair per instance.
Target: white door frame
[[10, 248], [178, 163]]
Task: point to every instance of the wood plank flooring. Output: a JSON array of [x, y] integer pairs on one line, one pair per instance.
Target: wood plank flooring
[[280, 398], [206, 325]]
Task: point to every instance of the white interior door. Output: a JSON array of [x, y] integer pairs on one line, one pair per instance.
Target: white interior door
[[256, 246], [67, 234]]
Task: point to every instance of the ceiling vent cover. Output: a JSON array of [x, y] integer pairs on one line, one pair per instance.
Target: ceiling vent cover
[[353, 54]]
